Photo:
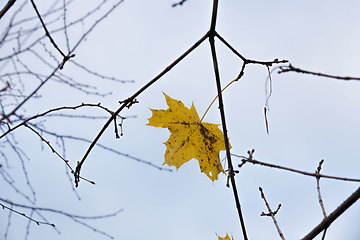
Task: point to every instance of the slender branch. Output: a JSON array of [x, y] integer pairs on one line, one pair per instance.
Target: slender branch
[[223, 119], [21, 155], [46, 31], [253, 161], [271, 213], [6, 116], [128, 102], [103, 147], [326, 222], [49, 145], [76, 218], [6, 7], [230, 47], [321, 202], [54, 110], [290, 68], [180, 3], [65, 25], [113, 214], [106, 14], [98, 74], [249, 61], [55, 152], [267, 63], [25, 216]]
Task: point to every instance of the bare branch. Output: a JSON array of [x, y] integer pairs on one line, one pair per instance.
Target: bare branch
[[50, 146], [98, 74], [326, 222], [249, 61], [25, 216], [6, 7], [253, 161], [180, 3], [55, 152], [321, 202], [290, 68], [318, 187], [55, 110], [76, 218], [46, 31], [271, 213]]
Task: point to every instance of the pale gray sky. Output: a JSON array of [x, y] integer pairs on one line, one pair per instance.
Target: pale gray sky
[[310, 119]]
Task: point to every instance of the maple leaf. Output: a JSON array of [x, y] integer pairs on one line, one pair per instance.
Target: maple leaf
[[190, 138], [225, 238]]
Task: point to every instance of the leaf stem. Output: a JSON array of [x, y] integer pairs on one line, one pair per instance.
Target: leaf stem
[[202, 118]]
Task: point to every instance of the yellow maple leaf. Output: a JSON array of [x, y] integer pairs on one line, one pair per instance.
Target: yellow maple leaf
[[225, 238], [189, 137]]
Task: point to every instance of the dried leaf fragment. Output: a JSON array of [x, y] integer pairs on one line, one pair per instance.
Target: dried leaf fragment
[[225, 238]]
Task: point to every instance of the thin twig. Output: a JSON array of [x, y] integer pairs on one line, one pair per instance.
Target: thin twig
[[49, 145], [103, 147], [321, 202], [65, 26], [231, 47], [326, 222], [271, 213], [253, 161], [106, 14], [113, 214], [249, 61], [22, 157], [55, 152], [26, 216], [180, 3], [6, 116], [290, 68], [46, 31], [98, 74], [54, 110], [318, 187], [76, 218]]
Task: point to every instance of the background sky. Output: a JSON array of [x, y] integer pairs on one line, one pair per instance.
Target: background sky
[[310, 119]]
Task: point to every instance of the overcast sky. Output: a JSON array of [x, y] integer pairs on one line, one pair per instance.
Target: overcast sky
[[310, 118]]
